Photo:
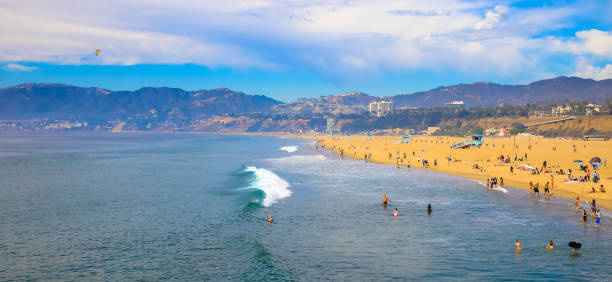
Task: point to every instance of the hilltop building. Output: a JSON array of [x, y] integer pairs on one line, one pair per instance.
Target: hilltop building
[[382, 108], [582, 110], [331, 123], [454, 106]]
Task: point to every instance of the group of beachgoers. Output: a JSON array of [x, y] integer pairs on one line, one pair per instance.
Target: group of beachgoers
[[386, 201], [494, 182], [595, 212], [535, 188], [549, 246]]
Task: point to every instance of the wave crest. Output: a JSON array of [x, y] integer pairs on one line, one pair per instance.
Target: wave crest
[[288, 149], [272, 185]]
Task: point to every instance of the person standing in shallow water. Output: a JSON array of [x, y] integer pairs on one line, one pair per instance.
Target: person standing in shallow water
[[519, 246], [270, 219], [429, 209]]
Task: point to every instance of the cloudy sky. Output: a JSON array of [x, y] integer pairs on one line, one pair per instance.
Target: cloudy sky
[[302, 48]]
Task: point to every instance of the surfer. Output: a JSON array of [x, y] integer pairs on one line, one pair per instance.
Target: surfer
[[395, 212], [518, 245], [385, 200], [550, 245], [429, 210], [270, 219]]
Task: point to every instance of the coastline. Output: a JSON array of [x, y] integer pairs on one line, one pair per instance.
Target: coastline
[[437, 148]]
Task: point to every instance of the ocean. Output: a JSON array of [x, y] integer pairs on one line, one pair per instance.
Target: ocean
[[135, 206]]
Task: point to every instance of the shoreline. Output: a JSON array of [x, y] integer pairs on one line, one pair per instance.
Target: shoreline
[[432, 148], [438, 148]]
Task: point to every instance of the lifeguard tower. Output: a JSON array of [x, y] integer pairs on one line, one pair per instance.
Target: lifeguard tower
[[477, 141]]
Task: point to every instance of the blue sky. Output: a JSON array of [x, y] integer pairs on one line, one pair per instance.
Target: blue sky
[[297, 48]]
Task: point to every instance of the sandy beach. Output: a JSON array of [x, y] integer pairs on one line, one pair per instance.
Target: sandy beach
[[533, 152]]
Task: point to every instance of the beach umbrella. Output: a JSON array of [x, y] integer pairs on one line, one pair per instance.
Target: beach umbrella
[[595, 160], [577, 161], [574, 245], [526, 167]]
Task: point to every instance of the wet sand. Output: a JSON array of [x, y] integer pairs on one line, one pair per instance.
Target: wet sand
[[559, 154]]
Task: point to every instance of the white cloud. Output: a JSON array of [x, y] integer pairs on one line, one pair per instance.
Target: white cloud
[[595, 72], [336, 38], [596, 42], [492, 17], [18, 67]]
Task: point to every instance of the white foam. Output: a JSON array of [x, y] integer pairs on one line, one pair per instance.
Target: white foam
[[289, 149], [298, 159], [500, 189], [274, 187]]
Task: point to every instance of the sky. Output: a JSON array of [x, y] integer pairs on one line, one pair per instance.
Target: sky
[[302, 48]]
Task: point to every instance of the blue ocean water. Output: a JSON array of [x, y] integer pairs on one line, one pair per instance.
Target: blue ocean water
[[195, 207]]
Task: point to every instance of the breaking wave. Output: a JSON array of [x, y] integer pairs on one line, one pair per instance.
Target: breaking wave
[[289, 149], [273, 186]]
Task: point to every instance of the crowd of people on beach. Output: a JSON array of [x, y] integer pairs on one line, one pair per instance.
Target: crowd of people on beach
[[589, 173]]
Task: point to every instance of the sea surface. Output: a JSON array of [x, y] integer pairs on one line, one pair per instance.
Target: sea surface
[[195, 207]]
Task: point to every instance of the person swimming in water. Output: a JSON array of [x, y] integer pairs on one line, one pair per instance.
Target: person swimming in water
[[395, 212], [385, 200], [270, 219], [550, 245], [429, 210], [518, 245]]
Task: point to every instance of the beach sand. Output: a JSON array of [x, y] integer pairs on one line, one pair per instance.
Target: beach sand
[[559, 154]]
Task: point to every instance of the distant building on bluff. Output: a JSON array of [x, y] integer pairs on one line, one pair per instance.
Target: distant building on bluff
[[382, 108], [454, 106], [331, 123]]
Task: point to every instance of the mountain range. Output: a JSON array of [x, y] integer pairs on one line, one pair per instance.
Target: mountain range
[[60, 101], [45, 100]]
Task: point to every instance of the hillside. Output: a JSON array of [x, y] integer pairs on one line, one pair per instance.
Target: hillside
[[59, 101], [491, 94], [348, 103]]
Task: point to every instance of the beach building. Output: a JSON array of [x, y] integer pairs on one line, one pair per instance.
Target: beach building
[[331, 123], [432, 129], [596, 138], [501, 132], [454, 106], [382, 108]]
